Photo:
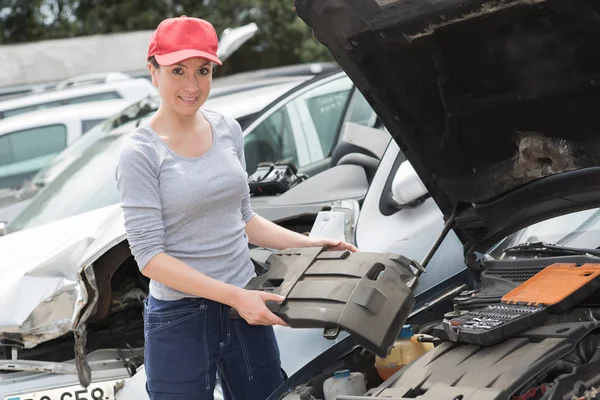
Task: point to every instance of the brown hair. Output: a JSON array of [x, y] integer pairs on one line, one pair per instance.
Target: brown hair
[[153, 61]]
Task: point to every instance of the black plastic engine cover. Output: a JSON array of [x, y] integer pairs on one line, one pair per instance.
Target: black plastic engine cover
[[486, 373], [370, 295]]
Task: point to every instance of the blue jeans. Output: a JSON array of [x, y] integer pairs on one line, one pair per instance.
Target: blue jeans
[[189, 341]]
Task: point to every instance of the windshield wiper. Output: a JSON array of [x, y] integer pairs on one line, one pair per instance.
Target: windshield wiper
[[550, 249]]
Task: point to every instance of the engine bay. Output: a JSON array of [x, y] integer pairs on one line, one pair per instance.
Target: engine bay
[[525, 329]]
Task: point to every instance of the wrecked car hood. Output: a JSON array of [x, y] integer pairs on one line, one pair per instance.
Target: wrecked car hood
[[495, 103], [40, 292]]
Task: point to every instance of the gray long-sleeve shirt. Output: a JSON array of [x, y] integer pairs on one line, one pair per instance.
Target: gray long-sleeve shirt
[[193, 209]]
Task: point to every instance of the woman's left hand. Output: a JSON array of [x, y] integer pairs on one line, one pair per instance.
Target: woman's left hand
[[335, 245]]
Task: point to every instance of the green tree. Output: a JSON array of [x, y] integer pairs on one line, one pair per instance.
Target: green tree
[[20, 21], [112, 16], [282, 37]]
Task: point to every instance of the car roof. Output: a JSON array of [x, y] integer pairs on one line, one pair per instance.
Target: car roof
[[95, 110], [262, 97], [222, 89], [53, 95]]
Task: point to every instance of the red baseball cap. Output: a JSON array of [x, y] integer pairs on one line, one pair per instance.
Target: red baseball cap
[[177, 39]]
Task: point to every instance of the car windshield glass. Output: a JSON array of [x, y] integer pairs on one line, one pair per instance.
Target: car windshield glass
[[88, 183], [580, 230]]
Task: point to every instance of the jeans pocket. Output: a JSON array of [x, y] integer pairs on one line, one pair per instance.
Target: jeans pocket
[[161, 314]]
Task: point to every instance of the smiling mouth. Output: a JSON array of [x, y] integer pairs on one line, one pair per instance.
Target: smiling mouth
[[189, 100]]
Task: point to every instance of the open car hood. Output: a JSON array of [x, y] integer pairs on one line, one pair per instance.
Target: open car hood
[[495, 103]]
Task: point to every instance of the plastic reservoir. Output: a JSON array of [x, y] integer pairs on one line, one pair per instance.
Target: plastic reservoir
[[344, 383], [403, 352]]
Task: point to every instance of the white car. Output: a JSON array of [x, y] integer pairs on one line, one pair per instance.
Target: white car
[[244, 106], [89, 182], [89, 233], [128, 89], [91, 79], [98, 286], [29, 142]]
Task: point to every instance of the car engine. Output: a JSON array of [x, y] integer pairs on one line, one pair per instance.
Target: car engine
[[524, 330]]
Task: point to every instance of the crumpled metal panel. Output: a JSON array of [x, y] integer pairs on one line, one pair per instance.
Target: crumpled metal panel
[[41, 297], [84, 371], [40, 284]]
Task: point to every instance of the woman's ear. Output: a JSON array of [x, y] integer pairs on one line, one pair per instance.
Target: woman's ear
[[153, 73]]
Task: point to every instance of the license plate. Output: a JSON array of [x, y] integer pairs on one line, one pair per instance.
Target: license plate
[[96, 391]]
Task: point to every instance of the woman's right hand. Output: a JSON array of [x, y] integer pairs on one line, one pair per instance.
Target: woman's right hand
[[250, 304]]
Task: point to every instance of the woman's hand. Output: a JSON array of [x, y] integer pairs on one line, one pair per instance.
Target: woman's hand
[[250, 304], [336, 245], [264, 233]]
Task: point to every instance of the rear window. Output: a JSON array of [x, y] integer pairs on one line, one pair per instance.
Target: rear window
[[57, 103], [23, 110], [32, 143]]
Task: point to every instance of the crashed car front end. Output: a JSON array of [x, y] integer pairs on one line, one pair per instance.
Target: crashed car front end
[[76, 294]]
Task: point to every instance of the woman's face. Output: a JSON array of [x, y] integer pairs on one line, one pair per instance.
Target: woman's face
[[183, 87]]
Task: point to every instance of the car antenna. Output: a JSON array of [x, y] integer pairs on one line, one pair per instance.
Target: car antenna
[[447, 226]]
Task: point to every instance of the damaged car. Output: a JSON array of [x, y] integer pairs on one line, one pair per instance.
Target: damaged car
[[70, 292], [493, 109]]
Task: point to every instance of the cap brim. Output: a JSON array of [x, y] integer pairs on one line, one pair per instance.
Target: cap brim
[[178, 56]]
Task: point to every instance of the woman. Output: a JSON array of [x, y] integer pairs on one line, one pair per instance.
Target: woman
[[188, 218]]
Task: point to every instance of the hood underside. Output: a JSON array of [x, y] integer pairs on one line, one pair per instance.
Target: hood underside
[[495, 103]]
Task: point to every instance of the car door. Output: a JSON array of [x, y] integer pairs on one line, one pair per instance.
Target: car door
[[301, 128], [384, 227]]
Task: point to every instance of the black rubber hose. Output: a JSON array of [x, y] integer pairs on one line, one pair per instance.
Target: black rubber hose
[[561, 366], [586, 349]]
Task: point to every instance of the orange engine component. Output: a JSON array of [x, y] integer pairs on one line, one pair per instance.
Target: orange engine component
[[553, 284]]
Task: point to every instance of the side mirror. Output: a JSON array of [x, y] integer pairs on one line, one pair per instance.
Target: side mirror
[[407, 187], [3, 231]]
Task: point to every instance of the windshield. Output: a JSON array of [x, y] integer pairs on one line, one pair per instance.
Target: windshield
[[86, 184], [580, 229]]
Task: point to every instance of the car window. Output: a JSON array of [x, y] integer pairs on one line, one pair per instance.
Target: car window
[[302, 130], [88, 124], [320, 111], [271, 140], [93, 97], [6, 156], [86, 184], [31, 143], [246, 120], [360, 111], [25, 152], [23, 110]]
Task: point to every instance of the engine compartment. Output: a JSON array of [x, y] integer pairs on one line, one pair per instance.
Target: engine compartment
[[522, 367], [557, 359]]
